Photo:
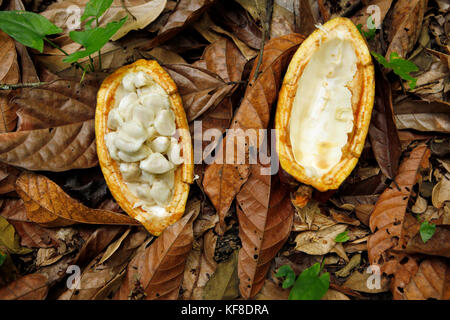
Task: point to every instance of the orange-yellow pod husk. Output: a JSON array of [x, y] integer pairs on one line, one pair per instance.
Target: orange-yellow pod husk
[[184, 174], [362, 88]]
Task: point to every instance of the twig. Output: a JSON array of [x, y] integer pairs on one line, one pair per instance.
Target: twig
[[266, 32], [23, 85]]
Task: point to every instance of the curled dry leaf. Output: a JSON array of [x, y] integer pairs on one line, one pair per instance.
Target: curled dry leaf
[[8, 176], [318, 242], [185, 12], [199, 88], [405, 27], [271, 291], [224, 283], [441, 192], [223, 180], [29, 287], [382, 131], [99, 275], [429, 280], [265, 215], [144, 12], [9, 74], [48, 205], [56, 128], [157, 272], [423, 116], [359, 281], [386, 221], [235, 19], [200, 266]]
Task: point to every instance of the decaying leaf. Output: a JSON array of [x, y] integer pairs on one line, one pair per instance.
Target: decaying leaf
[[386, 221], [318, 242], [99, 275], [407, 17], [199, 88], [200, 267], [423, 116], [9, 74], [366, 282], [382, 131], [185, 12], [224, 283], [48, 205], [223, 181], [265, 215], [157, 272], [9, 240], [29, 287]]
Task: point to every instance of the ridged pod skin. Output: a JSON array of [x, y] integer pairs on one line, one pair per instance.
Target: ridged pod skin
[[183, 174], [362, 88]]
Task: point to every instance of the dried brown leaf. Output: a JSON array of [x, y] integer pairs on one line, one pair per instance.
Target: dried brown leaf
[[29, 287], [265, 215], [49, 205], [223, 181], [199, 88], [382, 131], [405, 27], [157, 272], [200, 266], [185, 12], [423, 116], [386, 221]]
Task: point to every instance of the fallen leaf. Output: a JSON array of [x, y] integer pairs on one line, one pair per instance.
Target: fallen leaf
[[199, 88], [100, 274], [360, 282], [234, 19], [387, 218], [334, 295], [354, 262], [157, 272], [318, 242], [200, 266], [29, 287], [224, 283], [223, 181], [48, 205], [265, 216], [113, 247], [405, 27], [271, 291], [382, 131], [8, 176], [429, 281], [164, 56], [9, 239], [224, 59], [9, 74], [185, 12], [441, 193], [423, 116], [144, 12]]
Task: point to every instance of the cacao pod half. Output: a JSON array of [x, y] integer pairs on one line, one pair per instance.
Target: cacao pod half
[[325, 105], [143, 144]]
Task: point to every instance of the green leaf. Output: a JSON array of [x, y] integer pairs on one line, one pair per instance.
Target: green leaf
[[95, 8], [368, 35], [309, 285], [2, 258], [400, 66], [286, 271], [93, 40], [342, 237], [427, 230], [9, 239], [28, 28]]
